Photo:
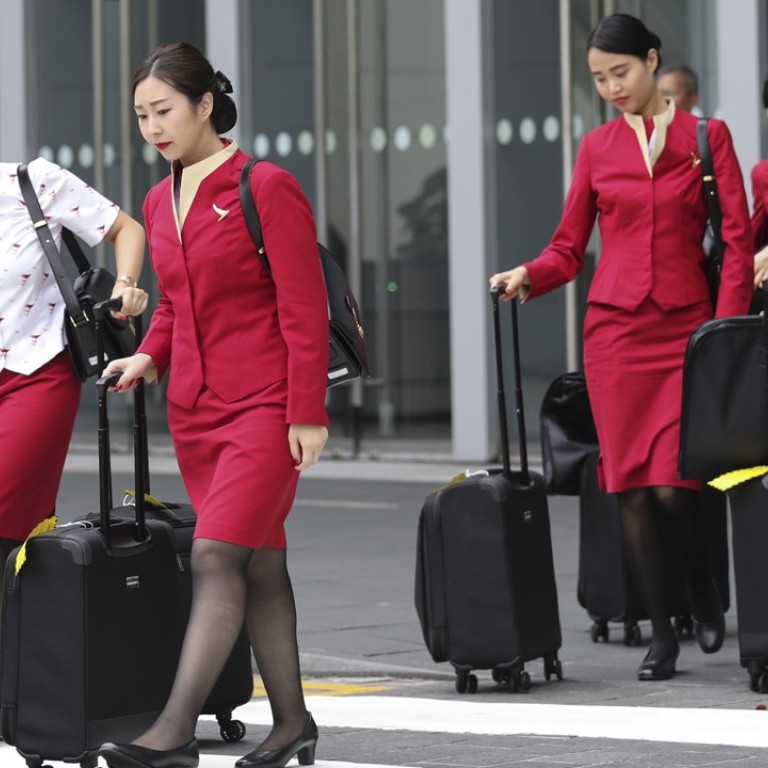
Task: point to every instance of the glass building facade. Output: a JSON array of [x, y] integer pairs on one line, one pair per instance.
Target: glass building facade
[[434, 139]]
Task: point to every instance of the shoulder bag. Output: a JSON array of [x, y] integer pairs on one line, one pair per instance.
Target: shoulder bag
[[568, 434], [92, 285], [714, 245], [724, 417], [348, 354]]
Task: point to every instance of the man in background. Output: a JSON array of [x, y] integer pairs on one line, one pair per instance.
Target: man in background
[[679, 83]]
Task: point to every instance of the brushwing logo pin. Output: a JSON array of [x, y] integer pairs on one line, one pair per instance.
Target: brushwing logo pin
[[220, 211]]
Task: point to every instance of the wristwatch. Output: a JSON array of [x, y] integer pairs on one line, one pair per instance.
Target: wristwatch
[[127, 279]]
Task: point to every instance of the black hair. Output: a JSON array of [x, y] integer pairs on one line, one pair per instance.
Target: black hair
[[690, 81], [622, 33], [184, 68]]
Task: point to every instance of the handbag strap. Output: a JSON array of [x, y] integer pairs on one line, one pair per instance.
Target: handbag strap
[[250, 213], [710, 188], [49, 247]]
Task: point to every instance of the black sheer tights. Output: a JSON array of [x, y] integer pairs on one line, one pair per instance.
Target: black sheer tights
[[648, 516], [233, 584]]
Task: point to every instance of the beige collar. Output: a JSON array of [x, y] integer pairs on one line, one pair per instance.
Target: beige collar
[[191, 179], [661, 123]]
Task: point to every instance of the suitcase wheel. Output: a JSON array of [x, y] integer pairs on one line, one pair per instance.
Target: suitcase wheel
[[230, 730], [633, 636], [599, 631], [758, 677], [91, 760], [465, 682], [553, 667], [519, 679]]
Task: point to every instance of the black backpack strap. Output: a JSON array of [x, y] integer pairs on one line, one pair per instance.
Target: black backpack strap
[[250, 213], [710, 186]]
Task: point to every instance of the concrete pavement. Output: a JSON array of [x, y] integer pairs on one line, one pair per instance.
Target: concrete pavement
[[380, 699]]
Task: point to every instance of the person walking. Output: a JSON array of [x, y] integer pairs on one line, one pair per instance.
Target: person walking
[[248, 352], [39, 391], [758, 176], [639, 175]]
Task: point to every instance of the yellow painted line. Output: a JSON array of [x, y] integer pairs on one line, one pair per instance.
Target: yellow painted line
[[328, 688]]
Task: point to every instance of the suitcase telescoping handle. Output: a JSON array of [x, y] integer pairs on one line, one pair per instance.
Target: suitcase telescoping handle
[[140, 433], [139, 447], [525, 477]]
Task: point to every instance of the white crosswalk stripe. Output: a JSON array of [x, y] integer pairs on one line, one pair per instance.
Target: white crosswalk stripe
[[742, 728], [726, 727], [227, 761]]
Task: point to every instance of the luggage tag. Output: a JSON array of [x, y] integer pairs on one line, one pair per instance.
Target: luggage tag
[[42, 527]]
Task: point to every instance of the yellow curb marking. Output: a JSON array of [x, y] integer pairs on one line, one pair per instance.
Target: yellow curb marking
[[327, 688]]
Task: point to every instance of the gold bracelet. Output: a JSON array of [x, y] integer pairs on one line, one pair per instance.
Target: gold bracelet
[[127, 279]]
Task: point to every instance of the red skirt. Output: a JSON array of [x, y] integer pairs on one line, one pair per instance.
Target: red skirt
[[37, 416], [633, 362], [237, 466]]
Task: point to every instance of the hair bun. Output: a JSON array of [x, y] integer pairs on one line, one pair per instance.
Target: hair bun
[[221, 83]]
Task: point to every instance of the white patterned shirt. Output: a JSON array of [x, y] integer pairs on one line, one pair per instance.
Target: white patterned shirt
[[31, 305]]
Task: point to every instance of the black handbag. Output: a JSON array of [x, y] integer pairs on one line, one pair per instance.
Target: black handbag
[[724, 418], [92, 285], [568, 434], [713, 242], [348, 354]]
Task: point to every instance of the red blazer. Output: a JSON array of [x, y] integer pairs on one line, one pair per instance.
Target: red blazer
[[651, 227], [759, 177], [222, 321]]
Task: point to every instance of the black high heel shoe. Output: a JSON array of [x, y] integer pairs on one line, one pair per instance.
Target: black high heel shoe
[[711, 634], [303, 747], [658, 665], [134, 756]]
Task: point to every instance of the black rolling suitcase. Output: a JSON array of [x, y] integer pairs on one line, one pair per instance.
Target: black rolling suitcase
[[90, 634], [605, 589], [485, 583], [235, 684], [749, 530]]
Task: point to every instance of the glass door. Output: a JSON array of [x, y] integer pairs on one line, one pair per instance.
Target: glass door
[[349, 95], [384, 97]]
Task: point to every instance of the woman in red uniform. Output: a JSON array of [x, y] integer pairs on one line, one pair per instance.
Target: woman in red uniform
[[246, 399], [759, 179], [640, 176]]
